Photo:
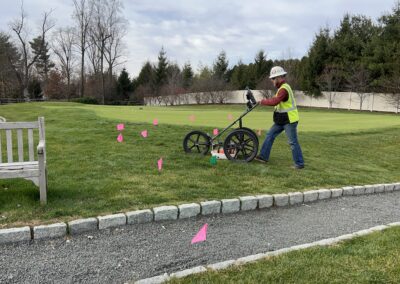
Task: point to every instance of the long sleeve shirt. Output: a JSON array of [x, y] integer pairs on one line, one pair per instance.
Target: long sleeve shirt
[[281, 97]]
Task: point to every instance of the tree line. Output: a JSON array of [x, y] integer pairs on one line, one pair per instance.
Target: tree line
[[361, 56]]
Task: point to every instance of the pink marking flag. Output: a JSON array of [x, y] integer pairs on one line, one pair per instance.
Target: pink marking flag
[[192, 118], [155, 122], [159, 163], [215, 131], [144, 133], [120, 138], [201, 236], [230, 117], [120, 127]]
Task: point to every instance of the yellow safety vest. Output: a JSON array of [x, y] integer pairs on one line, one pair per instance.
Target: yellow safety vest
[[289, 106]]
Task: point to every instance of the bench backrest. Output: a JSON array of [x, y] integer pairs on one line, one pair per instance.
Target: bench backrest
[[8, 130]]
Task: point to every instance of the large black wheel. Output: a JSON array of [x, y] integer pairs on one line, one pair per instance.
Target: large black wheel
[[197, 142], [241, 145], [252, 132]]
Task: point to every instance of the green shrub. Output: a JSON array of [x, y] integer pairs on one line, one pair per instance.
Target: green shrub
[[86, 100]]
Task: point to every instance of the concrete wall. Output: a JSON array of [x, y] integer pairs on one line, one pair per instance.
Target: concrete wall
[[340, 100]]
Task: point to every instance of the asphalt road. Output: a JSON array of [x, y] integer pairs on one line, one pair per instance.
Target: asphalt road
[[136, 252]]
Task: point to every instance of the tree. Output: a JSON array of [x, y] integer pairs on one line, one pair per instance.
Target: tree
[[262, 66], [239, 77], [62, 47], [100, 33], [40, 49], [359, 81], [313, 65], [18, 26], [187, 76], [10, 71], [220, 67], [329, 81], [124, 85], [55, 89], [82, 15], [160, 74], [117, 29]]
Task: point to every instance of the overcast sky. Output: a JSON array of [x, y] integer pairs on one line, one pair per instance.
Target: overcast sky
[[197, 30]]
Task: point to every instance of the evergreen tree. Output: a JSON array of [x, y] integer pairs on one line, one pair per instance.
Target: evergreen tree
[[187, 76], [41, 49], [220, 67], [124, 85], [239, 78], [262, 66], [10, 62], [161, 74], [146, 75]]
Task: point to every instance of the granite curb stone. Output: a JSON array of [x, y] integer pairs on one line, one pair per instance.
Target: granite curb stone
[[265, 201], [369, 189], [336, 192], [154, 280], [188, 210], [389, 187], [82, 225], [281, 199], [49, 231], [379, 188], [230, 205], [359, 190], [348, 190], [164, 213], [139, 216], [310, 196], [187, 272], [324, 194], [15, 235], [111, 221], [295, 198], [221, 265], [248, 203], [210, 207]]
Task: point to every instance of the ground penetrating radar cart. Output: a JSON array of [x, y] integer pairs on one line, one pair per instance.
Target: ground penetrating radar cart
[[241, 144]]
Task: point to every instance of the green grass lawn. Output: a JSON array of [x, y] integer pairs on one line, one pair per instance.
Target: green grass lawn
[[91, 174], [370, 259]]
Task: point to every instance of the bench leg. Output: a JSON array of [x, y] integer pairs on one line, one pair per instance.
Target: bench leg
[[43, 186]]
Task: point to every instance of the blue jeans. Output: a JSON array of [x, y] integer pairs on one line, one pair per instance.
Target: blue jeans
[[291, 133]]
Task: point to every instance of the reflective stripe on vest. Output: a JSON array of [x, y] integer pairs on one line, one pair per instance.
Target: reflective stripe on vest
[[289, 106]]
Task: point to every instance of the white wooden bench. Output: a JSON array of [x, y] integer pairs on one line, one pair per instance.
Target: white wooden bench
[[25, 166]]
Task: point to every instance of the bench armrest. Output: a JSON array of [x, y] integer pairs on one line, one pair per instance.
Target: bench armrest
[[41, 148]]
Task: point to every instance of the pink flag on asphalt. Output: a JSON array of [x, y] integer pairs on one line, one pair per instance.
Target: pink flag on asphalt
[[120, 138], [155, 122], [201, 236], [160, 164], [144, 133], [120, 127]]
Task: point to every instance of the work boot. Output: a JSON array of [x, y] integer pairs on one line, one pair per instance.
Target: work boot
[[260, 159]]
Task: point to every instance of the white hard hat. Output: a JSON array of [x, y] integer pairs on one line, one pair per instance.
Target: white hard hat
[[277, 71]]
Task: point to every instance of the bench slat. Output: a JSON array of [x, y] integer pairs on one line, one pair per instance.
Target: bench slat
[[28, 173], [9, 146], [20, 146], [18, 165], [16, 125], [30, 143], [1, 159]]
